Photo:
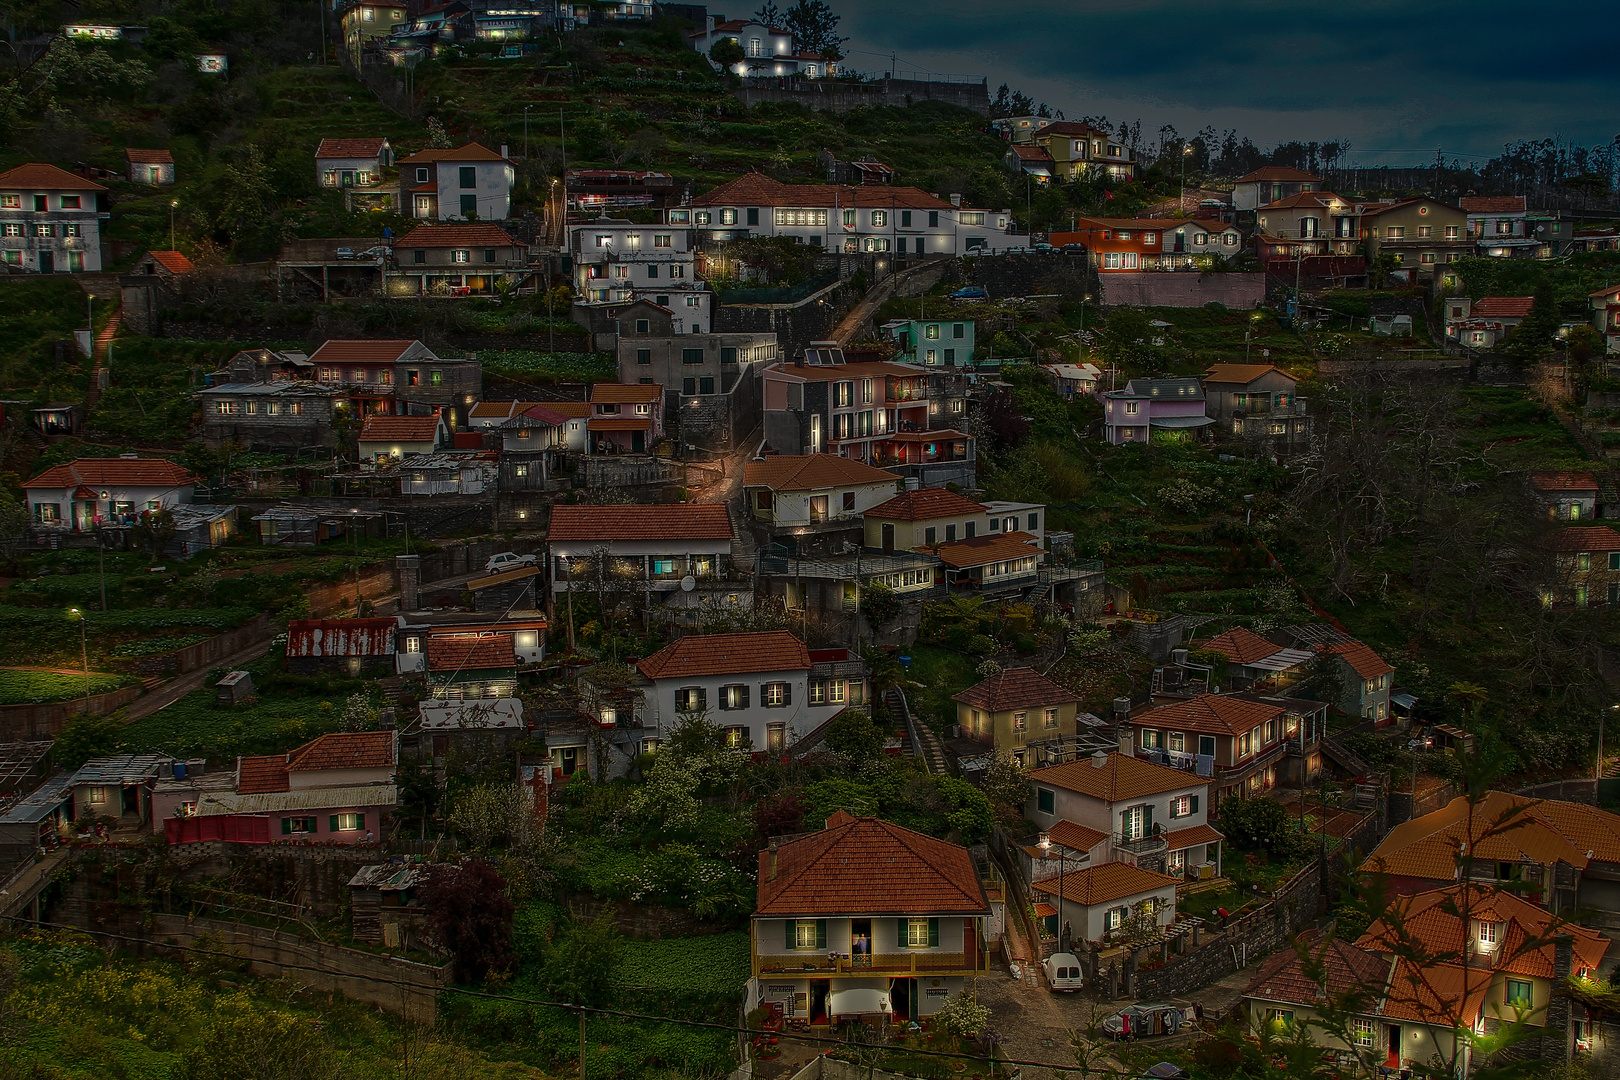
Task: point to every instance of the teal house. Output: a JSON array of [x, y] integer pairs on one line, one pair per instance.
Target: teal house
[[933, 343]]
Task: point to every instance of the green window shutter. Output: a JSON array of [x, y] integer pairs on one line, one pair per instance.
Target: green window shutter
[[933, 933], [332, 825], [1192, 804], [791, 927], [821, 933], [286, 826], [904, 939], [787, 693], [1147, 819]]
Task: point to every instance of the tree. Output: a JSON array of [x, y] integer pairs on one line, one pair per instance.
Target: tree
[[969, 812], [14, 523], [854, 737], [470, 915], [880, 604], [769, 15], [246, 210], [579, 967], [1255, 824], [85, 737], [156, 528], [962, 1015], [814, 27], [490, 815], [1006, 781], [727, 53], [245, 1042], [1529, 341], [1004, 420]]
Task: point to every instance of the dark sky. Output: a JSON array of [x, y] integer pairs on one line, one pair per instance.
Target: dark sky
[[1466, 77]]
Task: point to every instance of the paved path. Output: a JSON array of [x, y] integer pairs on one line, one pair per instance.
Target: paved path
[[166, 694], [98, 356]]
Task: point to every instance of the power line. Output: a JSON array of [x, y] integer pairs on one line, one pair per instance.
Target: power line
[[566, 1006]]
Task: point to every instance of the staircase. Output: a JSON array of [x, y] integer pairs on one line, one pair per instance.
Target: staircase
[[925, 741], [98, 355], [1345, 758]]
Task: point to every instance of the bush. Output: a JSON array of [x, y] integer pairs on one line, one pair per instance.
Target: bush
[[1255, 824]]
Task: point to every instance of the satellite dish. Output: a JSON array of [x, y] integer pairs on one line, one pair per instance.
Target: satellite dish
[[688, 583]]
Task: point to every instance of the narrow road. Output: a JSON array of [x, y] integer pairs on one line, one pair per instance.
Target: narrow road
[[98, 357], [168, 693]]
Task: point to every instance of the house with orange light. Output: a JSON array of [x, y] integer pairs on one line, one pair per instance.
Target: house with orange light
[[1130, 244], [1270, 184], [1078, 149], [626, 418], [1483, 323], [1566, 495], [1258, 404], [1463, 958]]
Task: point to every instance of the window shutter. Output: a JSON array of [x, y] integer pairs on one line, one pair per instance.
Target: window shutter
[[933, 933], [1124, 824], [787, 693], [742, 696], [286, 826], [904, 940], [1192, 804], [332, 825], [821, 933], [1147, 819], [792, 928], [703, 698]]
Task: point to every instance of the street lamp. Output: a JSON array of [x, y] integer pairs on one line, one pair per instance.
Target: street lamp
[[84, 656], [526, 109], [173, 205], [1046, 853], [353, 521], [1186, 152]]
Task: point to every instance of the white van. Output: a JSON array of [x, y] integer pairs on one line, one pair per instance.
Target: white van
[[1062, 972]]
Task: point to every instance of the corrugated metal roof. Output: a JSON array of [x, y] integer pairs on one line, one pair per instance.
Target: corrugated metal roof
[[326, 798], [385, 877], [39, 805], [340, 637], [122, 769]]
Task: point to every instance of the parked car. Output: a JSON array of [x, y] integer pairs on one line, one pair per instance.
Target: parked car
[[345, 253], [1165, 1070], [1043, 248], [970, 292], [509, 560], [1073, 249], [1062, 972], [1016, 249]]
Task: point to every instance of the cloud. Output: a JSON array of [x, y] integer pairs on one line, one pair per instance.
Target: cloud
[[1386, 75]]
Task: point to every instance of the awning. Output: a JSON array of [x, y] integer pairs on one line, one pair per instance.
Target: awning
[[1181, 422], [1044, 911], [858, 1001], [1282, 660], [1405, 701]]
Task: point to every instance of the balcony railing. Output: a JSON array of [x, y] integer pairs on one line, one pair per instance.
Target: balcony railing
[[1144, 846], [920, 960]]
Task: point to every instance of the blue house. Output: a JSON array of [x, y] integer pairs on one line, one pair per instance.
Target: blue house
[[933, 343]]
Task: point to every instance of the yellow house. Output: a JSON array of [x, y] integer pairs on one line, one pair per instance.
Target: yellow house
[[924, 518], [1014, 709]]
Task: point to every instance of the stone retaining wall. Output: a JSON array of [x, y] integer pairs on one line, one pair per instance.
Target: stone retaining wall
[[21, 723]]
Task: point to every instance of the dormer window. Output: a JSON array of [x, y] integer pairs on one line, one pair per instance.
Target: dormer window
[[1487, 934]]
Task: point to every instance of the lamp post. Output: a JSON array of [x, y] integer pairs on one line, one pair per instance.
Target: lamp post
[[84, 656], [526, 109], [173, 204], [1046, 853], [1186, 151], [1598, 772], [353, 521]]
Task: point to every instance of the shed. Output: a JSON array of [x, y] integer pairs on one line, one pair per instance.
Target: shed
[[234, 688], [375, 888]]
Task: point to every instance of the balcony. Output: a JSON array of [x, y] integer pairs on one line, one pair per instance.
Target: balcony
[[1147, 847], [1264, 407], [823, 963]]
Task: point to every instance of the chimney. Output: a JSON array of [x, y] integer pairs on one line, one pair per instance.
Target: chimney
[[503, 149], [956, 198], [408, 569], [1099, 760], [770, 873]]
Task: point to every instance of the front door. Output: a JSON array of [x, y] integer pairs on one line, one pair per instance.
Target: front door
[[1393, 1061], [638, 442], [570, 760], [348, 177], [47, 262], [903, 998], [132, 801], [888, 539], [818, 508], [818, 1000], [860, 942]]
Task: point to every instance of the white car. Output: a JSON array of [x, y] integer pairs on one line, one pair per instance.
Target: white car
[[1062, 972], [508, 560]]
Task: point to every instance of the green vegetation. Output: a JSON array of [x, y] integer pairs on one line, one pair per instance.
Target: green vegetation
[[540, 367], [42, 687]]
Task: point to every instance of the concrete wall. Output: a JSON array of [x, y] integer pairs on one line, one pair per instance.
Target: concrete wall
[[837, 95], [24, 722], [204, 653], [1240, 292]]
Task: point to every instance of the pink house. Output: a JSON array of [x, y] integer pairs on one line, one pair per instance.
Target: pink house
[[1148, 407]]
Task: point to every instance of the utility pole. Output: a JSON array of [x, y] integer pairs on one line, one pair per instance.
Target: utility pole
[[320, 13], [526, 109]]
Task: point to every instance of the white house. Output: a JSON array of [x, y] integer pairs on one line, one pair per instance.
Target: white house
[[385, 438], [618, 261], [661, 542], [864, 218], [1139, 812], [755, 687], [761, 45], [93, 492], [154, 167], [469, 183], [352, 163], [866, 917], [1098, 902], [795, 493], [50, 221]]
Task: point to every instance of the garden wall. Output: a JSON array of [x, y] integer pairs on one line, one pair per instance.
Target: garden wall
[[20, 723], [842, 95], [1240, 292], [203, 653]]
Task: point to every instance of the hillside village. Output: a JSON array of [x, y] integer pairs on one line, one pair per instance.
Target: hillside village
[[603, 537]]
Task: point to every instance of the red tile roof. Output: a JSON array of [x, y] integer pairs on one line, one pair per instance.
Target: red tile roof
[[1434, 923], [37, 176], [1563, 481], [481, 234], [1120, 776], [1211, 714], [172, 261], [1241, 646], [1032, 153], [757, 189], [1072, 128], [1305, 199], [659, 521], [727, 654], [1361, 658], [997, 547], [1105, 883], [625, 393], [1242, 374], [1017, 688], [865, 866], [1075, 837], [926, 504], [1502, 307], [400, 429], [257, 775], [1278, 172], [831, 372], [344, 750], [1344, 969], [1502, 827], [1585, 538], [1195, 836], [1494, 204], [114, 472], [471, 152], [812, 471], [350, 148], [492, 651], [361, 350], [148, 157]]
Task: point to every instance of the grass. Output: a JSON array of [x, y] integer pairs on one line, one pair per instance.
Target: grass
[[44, 687]]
